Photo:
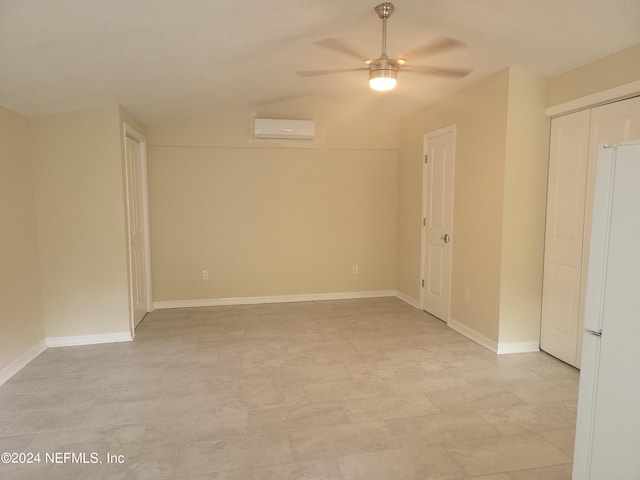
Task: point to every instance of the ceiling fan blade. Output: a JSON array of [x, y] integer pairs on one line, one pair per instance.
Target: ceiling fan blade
[[338, 46], [316, 73], [444, 72], [442, 45]]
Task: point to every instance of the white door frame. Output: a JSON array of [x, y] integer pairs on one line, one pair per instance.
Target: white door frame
[[423, 257], [133, 134]]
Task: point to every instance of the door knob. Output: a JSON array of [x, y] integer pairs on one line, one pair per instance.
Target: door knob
[[445, 238]]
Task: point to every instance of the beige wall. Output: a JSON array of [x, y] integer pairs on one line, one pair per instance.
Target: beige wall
[[608, 72], [524, 209], [21, 324], [273, 217], [80, 219], [479, 113], [493, 194]]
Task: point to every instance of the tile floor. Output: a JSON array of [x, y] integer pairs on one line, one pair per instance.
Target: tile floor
[[339, 390]]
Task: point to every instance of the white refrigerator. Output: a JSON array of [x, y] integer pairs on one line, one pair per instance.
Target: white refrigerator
[[607, 443]]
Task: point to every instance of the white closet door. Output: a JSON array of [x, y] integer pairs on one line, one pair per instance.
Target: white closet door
[[612, 123], [572, 158], [564, 233]]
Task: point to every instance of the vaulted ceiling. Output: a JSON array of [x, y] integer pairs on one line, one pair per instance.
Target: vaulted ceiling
[[166, 59]]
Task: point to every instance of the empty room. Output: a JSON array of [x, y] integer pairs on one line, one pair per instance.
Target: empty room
[[319, 240]]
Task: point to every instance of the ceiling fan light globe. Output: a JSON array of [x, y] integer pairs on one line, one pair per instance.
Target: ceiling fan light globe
[[382, 84], [382, 80]]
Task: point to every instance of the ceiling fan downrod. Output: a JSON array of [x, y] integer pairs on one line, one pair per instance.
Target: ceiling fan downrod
[[384, 11]]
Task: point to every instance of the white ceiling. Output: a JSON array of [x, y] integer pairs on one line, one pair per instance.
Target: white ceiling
[[166, 59]]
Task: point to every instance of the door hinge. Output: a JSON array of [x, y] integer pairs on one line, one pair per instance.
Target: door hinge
[[424, 222], [425, 159], [423, 283]]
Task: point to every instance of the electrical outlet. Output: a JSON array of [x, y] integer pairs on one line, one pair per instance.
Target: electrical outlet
[[467, 295], [205, 274], [354, 268]]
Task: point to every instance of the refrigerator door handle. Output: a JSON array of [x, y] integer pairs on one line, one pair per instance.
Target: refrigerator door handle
[[593, 332]]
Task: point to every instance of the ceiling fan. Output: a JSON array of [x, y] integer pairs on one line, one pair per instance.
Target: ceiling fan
[[383, 71]]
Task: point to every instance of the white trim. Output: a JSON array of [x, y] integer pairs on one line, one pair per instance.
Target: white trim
[[497, 347], [215, 302], [19, 363], [471, 334], [140, 139], [518, 347], [407, 299], [89, 339], [606, 96], [451, 129]]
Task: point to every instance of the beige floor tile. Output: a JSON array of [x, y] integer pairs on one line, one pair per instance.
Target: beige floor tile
[[347, 390], [35, 471], [321, 347], [524, 359], [6, 419], [53, 385], [388, 370], [60, 402], [46, 421], [505, 454], [530, 418], [339, 358], [427, 382], [120, 440], [563, 438], [316, 470], [386, 408], [441, 428], [182, 430], [293, 391], [497, 476], [501, 376], [301, 375], [290, 418], [413, 463], [232, 452], [337, 440], [418, 354], [474, 398], [555, 371], [15, 443], [154, 464], [268, 394], [559, 472], [543, 392]]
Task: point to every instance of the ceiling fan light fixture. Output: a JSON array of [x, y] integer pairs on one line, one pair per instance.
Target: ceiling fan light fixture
[[383, 80]]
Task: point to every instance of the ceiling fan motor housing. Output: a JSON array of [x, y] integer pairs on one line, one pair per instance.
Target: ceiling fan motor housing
[[383, 73], [383, 67]]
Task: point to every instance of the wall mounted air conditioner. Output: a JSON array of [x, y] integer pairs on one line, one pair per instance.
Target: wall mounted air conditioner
[[288, 129]]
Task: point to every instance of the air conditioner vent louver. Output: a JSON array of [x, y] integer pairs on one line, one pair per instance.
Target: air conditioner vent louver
[[284, 129]]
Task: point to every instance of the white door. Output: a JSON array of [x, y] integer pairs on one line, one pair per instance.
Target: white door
[[437, 208], [612, 123], [140, 301], [572, 158], [564, 232]]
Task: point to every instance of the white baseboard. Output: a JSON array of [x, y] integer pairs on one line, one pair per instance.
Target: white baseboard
[[518, 347], [497, 347], [471, 334], [216, 302], [407, 299], [89, 339], [14, 367]]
